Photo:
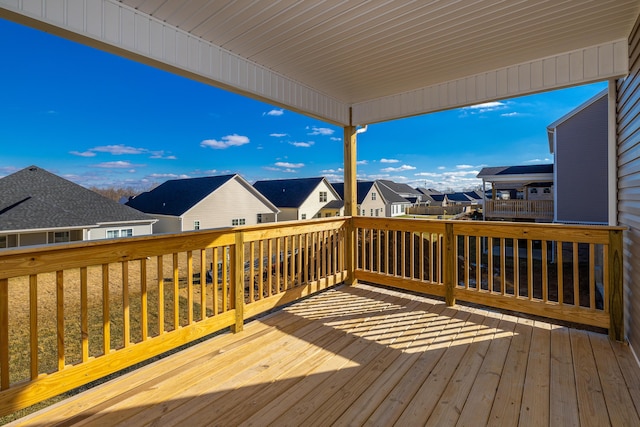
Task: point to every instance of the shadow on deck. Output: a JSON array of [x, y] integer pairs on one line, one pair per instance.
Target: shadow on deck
[[365, 355]]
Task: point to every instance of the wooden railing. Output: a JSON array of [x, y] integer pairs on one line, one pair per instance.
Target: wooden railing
[[70, 314], [568, 273], [519, 209]]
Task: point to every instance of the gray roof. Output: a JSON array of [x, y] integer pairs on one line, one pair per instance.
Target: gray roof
[[400, 188], [34, 199], [388, 194], [515, 170], [177, 196], [288, 193], [362, 187], [334, 204]]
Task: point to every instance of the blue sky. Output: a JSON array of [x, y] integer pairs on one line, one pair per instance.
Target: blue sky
[[101, 120]]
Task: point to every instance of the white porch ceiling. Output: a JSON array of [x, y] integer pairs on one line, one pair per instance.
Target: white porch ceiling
[[383, 58]]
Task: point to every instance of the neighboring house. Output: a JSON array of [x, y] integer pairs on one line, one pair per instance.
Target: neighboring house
[[579, 142], [38, 207], [459, 199], [206, 202], [403, 190], [519, 192], [300, 198], [376, 199]]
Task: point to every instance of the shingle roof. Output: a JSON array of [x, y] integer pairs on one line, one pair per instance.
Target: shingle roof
[[362, 187], [400, 188], [458, 197], [515, 170], [177, 196], [288, 193], [334, 204], [438, 197], [389, 195], [33, 198]]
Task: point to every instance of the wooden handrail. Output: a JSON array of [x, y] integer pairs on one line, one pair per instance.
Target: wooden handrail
[[242, 272]]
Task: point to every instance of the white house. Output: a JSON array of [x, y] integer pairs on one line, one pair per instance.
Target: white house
[[38, 207], [206, 202], [300, 198]]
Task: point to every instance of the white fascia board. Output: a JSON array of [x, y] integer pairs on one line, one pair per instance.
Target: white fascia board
[[46, 230], [114, 27], [137, 221], [588, 65]]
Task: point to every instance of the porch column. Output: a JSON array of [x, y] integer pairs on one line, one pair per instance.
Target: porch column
[[350, 200]]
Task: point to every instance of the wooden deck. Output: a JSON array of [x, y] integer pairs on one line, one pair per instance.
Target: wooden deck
[[369, 356]]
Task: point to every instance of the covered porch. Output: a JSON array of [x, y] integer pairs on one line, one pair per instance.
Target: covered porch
[[76, 313]]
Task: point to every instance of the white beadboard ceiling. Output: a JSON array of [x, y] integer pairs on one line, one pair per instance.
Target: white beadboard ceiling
[[384, 58], [355, 50]]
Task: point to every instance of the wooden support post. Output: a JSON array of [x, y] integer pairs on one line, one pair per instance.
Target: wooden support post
[[350, 201], [449, 265], [616, 291], [238, 282]]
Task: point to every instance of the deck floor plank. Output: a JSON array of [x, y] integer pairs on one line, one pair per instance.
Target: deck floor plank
[[506, 405], [365, 355], [591, 404], [449, 406], [619, 403], [477, 408], [534, 410]]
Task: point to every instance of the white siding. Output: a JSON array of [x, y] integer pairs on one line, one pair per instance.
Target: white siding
[[101, 232], [289, 214], [232, 200], [369, 205], [312, 205]]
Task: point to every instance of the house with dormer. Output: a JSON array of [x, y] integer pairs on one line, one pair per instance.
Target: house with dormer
[[300, 198], [205, 202]]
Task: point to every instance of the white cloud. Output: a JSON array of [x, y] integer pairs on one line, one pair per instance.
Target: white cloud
[[83, 153], [278, 135], [362, 162], [512, 114], [168, 176], [302, 144], [119, 149], [289, 165], [116, 165], [330, 171], [464, 166], [320, 131], [161, 155], [335, 138], [399, 169], [226, 142], [389, 161], [441, 168], [546, 159], [274, 113], [486, 105]]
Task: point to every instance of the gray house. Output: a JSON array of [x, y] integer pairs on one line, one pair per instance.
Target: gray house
[[206, 202], [38, 207], [579, 141]]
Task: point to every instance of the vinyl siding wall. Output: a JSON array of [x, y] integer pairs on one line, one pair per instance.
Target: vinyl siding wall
[[166, 224], [138, 230], [581, 157], [231, 201], [368, 204], [312, 206], [628, 134]]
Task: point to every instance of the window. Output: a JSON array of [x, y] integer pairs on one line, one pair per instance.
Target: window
[[3, 241], [238, 221], [534, 191], [328, 214], [124, 232], [371, 212], [373, 196], [260, 219], [323, 196], [196, 225], [303, 216], [59, 237], [377, 212], [547, 190]]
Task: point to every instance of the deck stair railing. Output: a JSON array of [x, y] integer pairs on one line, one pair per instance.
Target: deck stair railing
[[74, 313]]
